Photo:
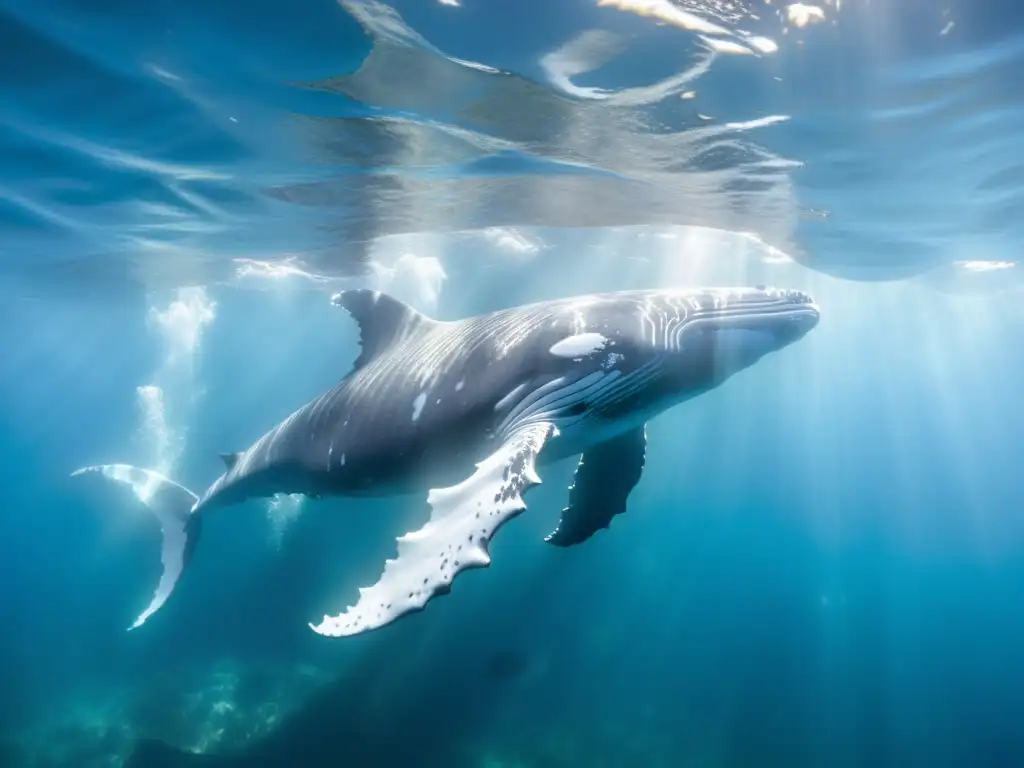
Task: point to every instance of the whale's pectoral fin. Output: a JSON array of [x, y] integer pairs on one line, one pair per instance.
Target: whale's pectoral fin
[[605, 476], [463, 520]]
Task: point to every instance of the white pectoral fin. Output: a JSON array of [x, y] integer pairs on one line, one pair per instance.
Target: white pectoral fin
[[463, 520]]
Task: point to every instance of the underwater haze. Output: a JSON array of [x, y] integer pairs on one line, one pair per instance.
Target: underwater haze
[[823, 563]]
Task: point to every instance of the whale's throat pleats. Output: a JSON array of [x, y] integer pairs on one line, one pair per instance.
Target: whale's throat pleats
[[383, 321]]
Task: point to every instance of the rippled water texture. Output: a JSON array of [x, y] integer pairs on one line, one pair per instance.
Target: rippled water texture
[[179, 143]]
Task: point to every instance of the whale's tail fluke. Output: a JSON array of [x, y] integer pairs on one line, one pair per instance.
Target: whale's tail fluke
[[172, 504]]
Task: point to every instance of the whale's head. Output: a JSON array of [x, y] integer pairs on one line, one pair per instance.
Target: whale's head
[[645, 350], [624, 357], [707, 336]]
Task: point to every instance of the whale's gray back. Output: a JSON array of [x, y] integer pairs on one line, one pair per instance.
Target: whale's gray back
[[425, 399], [418, 408]]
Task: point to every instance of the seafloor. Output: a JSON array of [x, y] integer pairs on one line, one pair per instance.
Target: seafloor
[[291, 716]]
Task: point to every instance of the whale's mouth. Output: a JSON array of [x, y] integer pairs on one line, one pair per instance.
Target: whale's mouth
[[795, 324]]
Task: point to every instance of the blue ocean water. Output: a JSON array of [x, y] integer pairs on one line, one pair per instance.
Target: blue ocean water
[[824, 561]]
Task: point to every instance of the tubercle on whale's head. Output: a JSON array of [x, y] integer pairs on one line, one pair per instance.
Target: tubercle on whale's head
[[786, 316]]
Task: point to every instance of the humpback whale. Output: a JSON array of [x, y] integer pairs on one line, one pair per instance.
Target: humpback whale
[[468, 410]]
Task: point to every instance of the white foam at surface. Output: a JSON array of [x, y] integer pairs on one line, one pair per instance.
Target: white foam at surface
[[801, 14], [415, 276], [405, 266], [513, 241]]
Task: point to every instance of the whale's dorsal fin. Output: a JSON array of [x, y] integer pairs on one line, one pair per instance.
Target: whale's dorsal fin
[[230, 459], [382, 320]]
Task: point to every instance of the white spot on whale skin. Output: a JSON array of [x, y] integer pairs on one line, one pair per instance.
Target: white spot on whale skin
[[579, 345], [508, 399], [460, 384], [613, 359], [417, 405]]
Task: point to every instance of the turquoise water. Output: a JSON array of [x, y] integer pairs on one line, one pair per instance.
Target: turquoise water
[[824, 561]]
